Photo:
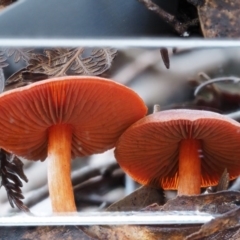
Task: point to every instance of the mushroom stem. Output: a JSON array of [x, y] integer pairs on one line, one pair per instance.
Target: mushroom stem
[[189, 167], [59, 168]]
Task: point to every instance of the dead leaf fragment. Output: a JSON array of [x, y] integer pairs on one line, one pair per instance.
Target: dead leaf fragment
[[139, 199], [220, 18], [213, 203], [229, 220]]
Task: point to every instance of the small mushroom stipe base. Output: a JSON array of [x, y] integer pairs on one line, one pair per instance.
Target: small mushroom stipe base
[[60, 189], [189, 167]]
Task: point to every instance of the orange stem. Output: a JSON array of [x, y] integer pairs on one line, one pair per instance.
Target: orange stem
[[189, 167], [59, 168]]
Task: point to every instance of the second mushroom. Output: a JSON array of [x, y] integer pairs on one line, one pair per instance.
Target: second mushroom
[[180, 149]]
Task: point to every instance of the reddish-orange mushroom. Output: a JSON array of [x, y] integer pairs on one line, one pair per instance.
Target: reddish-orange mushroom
[[180, 149], [63, 118]]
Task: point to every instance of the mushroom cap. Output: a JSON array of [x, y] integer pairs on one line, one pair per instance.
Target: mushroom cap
[[148, 150], [98, 111]]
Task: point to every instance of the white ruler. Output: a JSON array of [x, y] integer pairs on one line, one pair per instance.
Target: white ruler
[[109, 218]]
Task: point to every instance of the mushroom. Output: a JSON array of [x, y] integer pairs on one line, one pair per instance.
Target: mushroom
[[180, 149], [62, 118]]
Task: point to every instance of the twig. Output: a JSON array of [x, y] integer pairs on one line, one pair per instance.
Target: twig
[[234, 115], [93, 200], [215, 80], [88, 172], [137, 66], [179, 27], [99, 181]]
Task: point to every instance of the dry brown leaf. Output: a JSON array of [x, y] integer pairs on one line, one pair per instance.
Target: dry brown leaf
[[131, 232], [215, 203], [220, 202], [43, 233], [139, 199], [226, 221], [220, 18]]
